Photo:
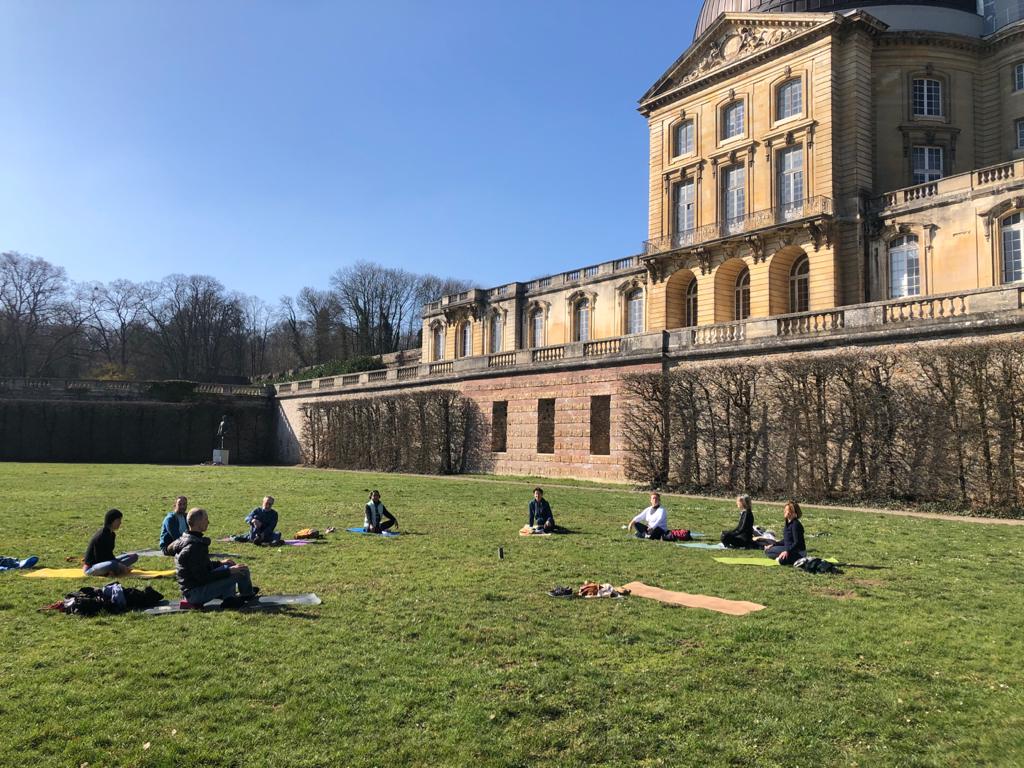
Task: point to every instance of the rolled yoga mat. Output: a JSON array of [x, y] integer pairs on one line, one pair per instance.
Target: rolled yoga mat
[[717, 604]]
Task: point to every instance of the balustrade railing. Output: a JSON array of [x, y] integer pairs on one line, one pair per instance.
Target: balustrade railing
[[717, 334], [602, 347], [810, 323], [350, 379], [376, 375], [325, 383], [446, 366], [547, 354], [501, 360], [404, 374], [994, 174], [934, 308]]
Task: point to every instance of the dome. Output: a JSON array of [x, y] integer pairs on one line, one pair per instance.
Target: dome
[[714, 8]]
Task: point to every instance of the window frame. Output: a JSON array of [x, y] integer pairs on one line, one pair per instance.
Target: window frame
[[634, 296], [675, 152], [789, 209], [464, 340], [1017, 78], [532, 317], [740, 104], [739, 191], [691, 303], [677, 186], [800, 285], [1005, 229], [741, 295], [795, 80], [437, 342], [1019, 131], [940, 97], [928, 173], [900, 245], [581, 322], [496, 322]]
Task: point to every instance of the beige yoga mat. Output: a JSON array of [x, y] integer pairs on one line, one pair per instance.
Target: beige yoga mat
[[718, 604], [78, 573]]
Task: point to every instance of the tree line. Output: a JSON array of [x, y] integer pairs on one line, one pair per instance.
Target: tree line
[[193, 327], [938, 425]]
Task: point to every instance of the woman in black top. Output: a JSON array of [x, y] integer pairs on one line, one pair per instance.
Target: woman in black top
[[793, 546], [99, 556], [742, 536]]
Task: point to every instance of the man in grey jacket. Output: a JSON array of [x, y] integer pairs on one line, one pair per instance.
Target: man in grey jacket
[[202, 579]]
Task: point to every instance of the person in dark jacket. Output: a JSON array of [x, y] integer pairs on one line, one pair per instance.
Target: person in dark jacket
[[175, 524], [99, 557], [202, 579], [793, 546], [742, 536], [262, 522], [541, 517], [376, 518]]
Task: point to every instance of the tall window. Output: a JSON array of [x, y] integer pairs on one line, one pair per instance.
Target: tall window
[[904, 267], [499, 426], [496, 332], [927, 97], [800, 285], [789, 99], [537, 328], [691, 303], [927, 164], [734, 192], [546, 425], [741, 303], [581, 320], [685, 208], [437, 353], [733, 120], [1013, 233], [682, 138], [1020, 134], [635, 311], [600, 425], [1018, 77], [464, 341], [791, 182]]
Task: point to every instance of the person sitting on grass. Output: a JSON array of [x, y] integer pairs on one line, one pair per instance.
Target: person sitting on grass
[[742, 536], [541, 518], [374, 516], [202, 579], [99, 557], [262, 522], [793, 546], [652, 523], [174, 525]]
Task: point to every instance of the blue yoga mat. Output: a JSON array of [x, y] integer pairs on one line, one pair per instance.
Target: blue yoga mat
[[387, 534], [701, 545]]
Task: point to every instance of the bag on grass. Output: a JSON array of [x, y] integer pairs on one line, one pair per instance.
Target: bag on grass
[[308, 533]]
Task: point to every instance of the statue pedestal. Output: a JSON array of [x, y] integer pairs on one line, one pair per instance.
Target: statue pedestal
[[220, 456]]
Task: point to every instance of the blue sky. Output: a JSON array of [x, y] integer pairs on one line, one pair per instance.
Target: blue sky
[[270, 143]]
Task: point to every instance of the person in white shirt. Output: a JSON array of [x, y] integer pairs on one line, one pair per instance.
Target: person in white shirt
[[652, 523]]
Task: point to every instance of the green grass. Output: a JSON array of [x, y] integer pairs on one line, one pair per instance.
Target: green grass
[[429, 651]]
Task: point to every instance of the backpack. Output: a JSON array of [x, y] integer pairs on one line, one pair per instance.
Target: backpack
[[816, 565], [308, 533]]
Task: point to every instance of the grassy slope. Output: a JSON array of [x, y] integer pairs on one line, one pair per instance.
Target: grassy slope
[[428, 650]]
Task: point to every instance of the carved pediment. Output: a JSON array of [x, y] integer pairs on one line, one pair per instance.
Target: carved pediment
[[730, 40]]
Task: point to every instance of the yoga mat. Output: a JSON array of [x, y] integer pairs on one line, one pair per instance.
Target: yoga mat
[[158, 553], [262, 602], [717, 604], [758, 560], [386, 534], [78, 573], [524, 533], [700, 545]]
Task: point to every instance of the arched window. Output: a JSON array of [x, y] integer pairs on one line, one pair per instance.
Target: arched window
[[682, 138], [789, 99], [496, 331], [904, 267], [1013, 232], [691, 303], [741, 304], [581, 320], [733, 120], [437, 351], [464, 341], [635, 311], [800, 285], [537, 328]]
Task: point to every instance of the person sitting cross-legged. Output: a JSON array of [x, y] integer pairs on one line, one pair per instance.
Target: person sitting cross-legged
[[376, 518], [175, 524], [541, 517], [202, 579], [793, 546], [262, 522], [742, 536], [99, 557], [652, 523]]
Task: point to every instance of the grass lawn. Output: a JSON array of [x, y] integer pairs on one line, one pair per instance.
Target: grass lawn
[[430, 651]]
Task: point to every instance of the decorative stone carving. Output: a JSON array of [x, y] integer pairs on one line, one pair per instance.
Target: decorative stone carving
[[735, 44]]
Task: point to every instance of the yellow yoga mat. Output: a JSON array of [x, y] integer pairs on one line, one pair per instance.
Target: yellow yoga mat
[[77, 573]]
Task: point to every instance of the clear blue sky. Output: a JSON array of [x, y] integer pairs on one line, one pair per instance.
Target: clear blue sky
[[270, 143]]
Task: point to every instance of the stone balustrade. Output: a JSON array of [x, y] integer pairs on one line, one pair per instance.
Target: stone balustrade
[[123, 389], [952, 186]]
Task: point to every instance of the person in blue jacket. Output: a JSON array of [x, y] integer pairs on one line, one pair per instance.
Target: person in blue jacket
[[262, 522], [174, 525], [793, 546], [541, 516]]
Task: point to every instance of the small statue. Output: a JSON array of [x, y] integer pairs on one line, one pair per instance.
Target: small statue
[[223, 429]]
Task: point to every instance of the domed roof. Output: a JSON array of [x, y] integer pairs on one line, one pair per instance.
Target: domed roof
[[714, 8]]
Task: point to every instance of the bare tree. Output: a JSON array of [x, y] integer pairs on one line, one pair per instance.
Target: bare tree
[[115, 316]]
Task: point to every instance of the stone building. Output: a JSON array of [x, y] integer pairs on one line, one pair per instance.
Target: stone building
[[819, 171]]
